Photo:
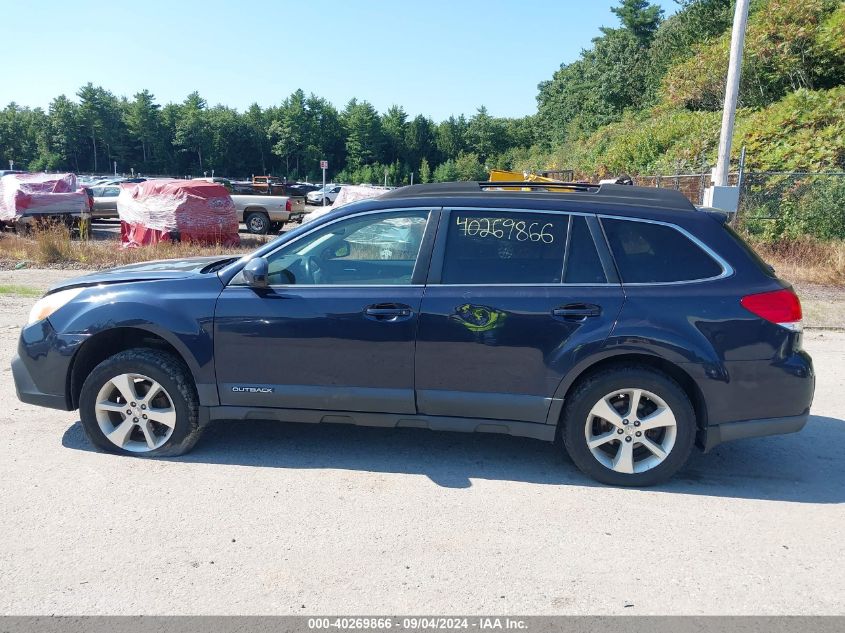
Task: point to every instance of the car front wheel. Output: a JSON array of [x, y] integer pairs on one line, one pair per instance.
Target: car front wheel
[[629, 426], [140, 402]]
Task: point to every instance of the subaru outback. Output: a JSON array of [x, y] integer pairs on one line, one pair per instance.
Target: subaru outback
[[623, 323]]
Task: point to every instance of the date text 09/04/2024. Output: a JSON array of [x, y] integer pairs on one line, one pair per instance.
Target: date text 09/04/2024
[[417, 623]]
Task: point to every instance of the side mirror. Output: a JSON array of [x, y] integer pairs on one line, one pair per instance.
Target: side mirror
[[255, 272]]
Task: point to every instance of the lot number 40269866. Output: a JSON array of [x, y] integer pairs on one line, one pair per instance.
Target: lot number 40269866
[[507, 229]]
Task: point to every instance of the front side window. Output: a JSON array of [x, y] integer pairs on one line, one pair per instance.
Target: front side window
[[373, 249], [646, 252], [504, 247]]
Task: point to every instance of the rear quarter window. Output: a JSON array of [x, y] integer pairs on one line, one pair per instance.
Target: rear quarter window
[[656, 253], [761, 264]]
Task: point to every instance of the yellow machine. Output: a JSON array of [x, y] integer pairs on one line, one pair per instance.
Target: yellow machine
[[501, 175]]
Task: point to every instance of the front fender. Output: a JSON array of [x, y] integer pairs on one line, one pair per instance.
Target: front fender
[[181, 312]]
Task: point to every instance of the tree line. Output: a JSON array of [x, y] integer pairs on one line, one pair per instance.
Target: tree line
[[644, 96], [98, 128]]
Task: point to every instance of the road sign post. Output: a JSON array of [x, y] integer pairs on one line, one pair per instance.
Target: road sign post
[[324, 165]]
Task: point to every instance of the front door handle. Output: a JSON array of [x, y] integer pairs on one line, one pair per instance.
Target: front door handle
[[390, 312], [577, 311]]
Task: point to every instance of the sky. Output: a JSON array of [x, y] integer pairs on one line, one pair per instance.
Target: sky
[[433, 57]]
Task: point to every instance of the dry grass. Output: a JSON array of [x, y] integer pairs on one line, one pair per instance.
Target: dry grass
[[56, 247], [805, 260], [799, 261]]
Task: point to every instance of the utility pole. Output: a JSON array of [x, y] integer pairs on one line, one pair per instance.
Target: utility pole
[[720, 177], [324, 165]]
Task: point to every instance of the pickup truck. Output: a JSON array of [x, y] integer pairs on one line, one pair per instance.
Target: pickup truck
[[263, 213]]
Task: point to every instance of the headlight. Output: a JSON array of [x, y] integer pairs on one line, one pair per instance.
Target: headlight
[[46, 306]]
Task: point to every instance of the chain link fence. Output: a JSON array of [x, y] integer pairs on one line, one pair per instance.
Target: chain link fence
[[775, 204]]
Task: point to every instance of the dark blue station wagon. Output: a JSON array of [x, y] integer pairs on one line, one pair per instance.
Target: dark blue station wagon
[[620, 320]]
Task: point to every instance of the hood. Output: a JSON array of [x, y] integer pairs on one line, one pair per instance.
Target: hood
[[144, 271]]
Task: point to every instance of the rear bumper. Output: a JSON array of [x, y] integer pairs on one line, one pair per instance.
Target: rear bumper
[[714, 435]]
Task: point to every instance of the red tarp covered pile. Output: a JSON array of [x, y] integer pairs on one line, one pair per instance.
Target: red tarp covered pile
[[191, 210], [40, 194]]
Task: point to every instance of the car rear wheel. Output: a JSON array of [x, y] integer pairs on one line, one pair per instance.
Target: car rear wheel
[[257, 223], [629, 426], [140, 402]]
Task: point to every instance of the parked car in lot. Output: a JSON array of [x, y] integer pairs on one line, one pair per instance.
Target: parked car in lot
[[300, 189], [329, 192], [105, 201], [619, 319], [262, 213]]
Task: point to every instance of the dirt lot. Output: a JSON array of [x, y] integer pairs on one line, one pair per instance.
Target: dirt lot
[[271, 518]]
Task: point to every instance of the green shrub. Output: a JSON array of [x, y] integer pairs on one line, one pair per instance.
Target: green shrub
[[790, 208]]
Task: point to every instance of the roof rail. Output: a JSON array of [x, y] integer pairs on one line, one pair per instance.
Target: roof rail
[[609, 194], [533, 184]]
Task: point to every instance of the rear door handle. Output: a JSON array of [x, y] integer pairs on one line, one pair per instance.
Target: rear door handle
[[577, 311], [388, 312]]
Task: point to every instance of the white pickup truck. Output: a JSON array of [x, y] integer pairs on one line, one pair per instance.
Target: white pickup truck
[[262, 214]]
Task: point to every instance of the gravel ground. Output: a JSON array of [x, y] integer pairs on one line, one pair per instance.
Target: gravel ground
[[269, 518]]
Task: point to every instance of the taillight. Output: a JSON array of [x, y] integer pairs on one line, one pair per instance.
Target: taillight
[[288, 205], [779, 306]]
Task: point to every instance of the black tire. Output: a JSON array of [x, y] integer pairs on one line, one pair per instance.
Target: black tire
[[257, 223], [591, 390], [170, 373], [276, 227]]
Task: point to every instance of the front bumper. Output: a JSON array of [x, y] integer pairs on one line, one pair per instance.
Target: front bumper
[[42, 365], [29, 392]]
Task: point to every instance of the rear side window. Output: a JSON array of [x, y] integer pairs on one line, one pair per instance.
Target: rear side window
[[583, 265], [656, 253], [495, 247]]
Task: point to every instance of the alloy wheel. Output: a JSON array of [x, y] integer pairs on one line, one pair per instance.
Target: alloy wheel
[[135, 413], [631, 430]]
